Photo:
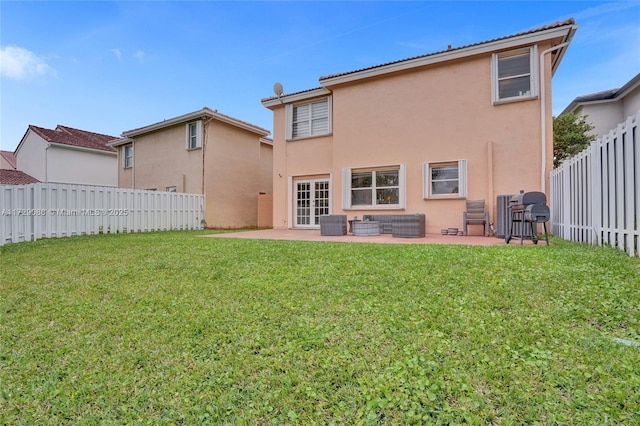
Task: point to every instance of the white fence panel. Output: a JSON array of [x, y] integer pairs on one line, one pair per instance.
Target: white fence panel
[[30, 212], [595, 195]]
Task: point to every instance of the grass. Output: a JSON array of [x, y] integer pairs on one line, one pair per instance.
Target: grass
[[170, 328]]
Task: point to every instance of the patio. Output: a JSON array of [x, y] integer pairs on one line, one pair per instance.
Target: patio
[[314, 235]]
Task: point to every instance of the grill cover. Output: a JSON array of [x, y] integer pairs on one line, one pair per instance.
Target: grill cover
[[533, 197], [537, 213]]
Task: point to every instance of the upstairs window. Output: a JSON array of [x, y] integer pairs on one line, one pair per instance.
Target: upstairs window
[[515, 75], [194, 135], [309, 119], [128, 156]]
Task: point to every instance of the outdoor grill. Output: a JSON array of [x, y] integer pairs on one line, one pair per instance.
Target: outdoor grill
[[527, 210]]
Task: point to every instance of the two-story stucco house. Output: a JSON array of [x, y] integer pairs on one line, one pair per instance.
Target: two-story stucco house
[[420, 135], [605, 110], [67, 155], [202, 152]]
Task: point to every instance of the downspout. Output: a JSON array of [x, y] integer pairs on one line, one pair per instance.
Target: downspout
[[543, 116], [133, 164]]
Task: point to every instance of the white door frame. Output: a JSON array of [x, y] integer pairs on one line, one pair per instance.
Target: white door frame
[[305, 213]]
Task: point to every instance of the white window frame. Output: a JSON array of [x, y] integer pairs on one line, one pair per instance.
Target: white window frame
[[191, 142], [289, 118], [532, 74], [127, 160], [462, 180], [346, 188], [171, 189]]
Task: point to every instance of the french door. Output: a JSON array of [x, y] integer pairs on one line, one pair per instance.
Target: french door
[[312, 200]]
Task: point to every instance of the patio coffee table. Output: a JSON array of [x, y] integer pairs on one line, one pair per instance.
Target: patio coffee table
[[365, 228]]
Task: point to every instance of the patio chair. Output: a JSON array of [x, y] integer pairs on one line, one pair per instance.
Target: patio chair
[[476, 214], [333, 224]]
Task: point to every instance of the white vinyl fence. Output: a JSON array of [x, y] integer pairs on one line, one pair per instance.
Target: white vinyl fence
[[31, 212], [595, 195]]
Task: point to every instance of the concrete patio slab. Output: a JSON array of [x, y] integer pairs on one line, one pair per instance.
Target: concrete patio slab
[[314, 235]]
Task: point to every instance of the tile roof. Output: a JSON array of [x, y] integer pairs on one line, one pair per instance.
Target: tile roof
[[605, 95], [75, 137], [558, 24], [324, 80], [9, 158], [15, 177]]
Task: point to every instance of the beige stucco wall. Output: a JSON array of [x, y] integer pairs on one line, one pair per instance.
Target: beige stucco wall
[[439, 113], [231, 169], [161, 160], [234, 175]]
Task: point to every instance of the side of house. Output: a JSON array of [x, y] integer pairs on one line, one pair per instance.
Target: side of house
[[604, 110], [67, 155], [203, 152], [420, 135]]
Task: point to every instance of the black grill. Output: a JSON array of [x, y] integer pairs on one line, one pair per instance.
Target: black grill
[[527, 210]]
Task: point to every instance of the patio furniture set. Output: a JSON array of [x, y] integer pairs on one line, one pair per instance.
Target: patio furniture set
[[398, 225]]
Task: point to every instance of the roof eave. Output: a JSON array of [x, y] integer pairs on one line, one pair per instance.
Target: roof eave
[[564, 32], [204, 112], [81, 148], [295, 97], [119, 142], [192, 116], [242, 124], [571, 31]]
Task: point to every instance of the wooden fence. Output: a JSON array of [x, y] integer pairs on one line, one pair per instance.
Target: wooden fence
[[595, 195], [31, 212]]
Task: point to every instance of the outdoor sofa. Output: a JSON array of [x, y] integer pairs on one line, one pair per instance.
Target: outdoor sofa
[[400, 225]]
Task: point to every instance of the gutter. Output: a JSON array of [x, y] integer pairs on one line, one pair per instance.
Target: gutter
[[543, 116]]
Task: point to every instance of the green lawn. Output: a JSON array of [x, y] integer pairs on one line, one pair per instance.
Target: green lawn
[[171, 328]]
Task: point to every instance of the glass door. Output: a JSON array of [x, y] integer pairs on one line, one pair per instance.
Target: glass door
[[312, 200]]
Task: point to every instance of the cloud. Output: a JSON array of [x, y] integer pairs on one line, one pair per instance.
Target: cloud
[[117, 53], [139, 55], [603, 9], [18, 63]]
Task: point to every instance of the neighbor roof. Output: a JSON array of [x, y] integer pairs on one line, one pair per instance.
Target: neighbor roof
[[604, 96], [9, 157], [74, 137], [561, 29], [15, 177], [196, 115]]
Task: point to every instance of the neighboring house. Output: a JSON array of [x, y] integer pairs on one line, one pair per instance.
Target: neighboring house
[[420, 135], [605, 110], [68, 155], [7, 160], [15, 177], [203, 152]]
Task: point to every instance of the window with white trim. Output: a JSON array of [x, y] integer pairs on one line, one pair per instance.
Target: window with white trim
[[194, 135], [514, 75], [380, 187], [171, 189], [127, 158], [309, 119], [445, 179]]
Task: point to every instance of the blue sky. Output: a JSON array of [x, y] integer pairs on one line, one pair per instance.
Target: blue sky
[[109, 67]]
